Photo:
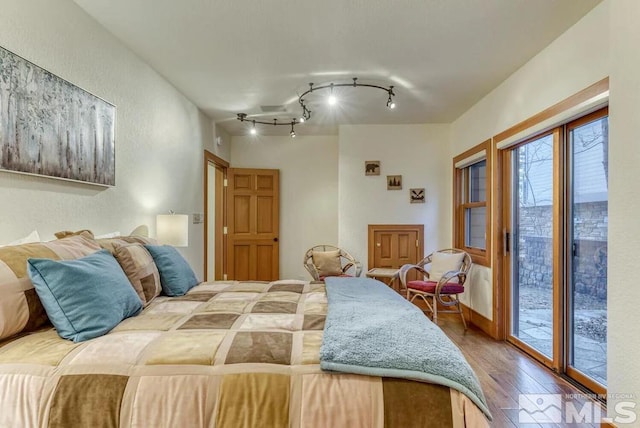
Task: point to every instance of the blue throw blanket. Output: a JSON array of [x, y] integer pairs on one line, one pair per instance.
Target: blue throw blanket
[[372, 330]]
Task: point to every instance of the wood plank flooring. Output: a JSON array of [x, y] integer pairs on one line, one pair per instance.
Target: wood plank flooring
[[505, 372]]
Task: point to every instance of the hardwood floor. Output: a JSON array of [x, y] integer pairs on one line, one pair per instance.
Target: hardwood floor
[[505, 372]]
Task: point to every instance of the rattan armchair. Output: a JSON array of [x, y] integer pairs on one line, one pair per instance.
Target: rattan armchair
[[436, 286], [345, 263]]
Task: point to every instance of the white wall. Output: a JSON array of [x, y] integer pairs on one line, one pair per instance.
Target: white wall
[[623, 295], [160, 135], [575, 60], [222, 143], [308, 190], [420, 153]]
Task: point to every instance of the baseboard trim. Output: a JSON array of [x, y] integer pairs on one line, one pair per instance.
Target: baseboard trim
[[479, 321]]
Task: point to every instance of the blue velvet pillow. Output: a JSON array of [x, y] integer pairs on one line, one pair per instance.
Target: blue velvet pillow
[[84, 298], [176, 276]]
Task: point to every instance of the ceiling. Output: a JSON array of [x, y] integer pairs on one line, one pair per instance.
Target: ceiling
[[233, 56]]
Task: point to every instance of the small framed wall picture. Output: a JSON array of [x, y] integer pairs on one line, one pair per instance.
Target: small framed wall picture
[[417, 196], [394, 182], [371, 167]]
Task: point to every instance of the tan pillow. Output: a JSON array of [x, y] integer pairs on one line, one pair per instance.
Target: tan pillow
[[108, 235], [20, 307], [112, 244], [141, 270], [327, 262], [442, 263], [66, 233]]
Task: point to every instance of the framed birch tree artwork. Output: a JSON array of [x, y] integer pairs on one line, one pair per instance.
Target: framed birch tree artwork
[[50, 127]]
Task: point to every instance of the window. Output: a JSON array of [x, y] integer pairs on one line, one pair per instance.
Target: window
[[472, 218]]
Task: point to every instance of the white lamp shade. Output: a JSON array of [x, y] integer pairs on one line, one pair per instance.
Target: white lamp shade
[[173, 229]]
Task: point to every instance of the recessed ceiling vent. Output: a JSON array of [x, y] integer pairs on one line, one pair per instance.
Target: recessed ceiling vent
[[273, 109]]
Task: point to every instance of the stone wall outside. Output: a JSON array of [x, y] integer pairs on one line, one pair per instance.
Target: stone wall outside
[[590, 265]]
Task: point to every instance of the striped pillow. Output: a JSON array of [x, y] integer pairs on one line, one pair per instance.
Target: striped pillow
[[112, 244], [20, 307], [142, 272]]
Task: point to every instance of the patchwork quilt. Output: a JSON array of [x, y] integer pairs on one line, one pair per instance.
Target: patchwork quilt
[[227, 354]]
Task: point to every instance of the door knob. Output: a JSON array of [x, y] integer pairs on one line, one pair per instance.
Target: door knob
[[275, 239], [378, 244]]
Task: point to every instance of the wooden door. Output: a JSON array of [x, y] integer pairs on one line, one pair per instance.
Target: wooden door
[[391, 246], [253, 224]]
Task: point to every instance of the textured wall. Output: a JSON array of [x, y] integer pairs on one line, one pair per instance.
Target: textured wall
[[308, 191], [573, 61], [417, 152], [623, 368], [160, 135]]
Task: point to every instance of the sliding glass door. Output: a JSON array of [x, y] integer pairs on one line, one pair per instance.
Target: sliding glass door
[[555, 217], [588, 224], [532, 255]]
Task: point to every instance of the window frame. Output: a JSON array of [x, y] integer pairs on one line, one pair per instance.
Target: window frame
[[461, 202]]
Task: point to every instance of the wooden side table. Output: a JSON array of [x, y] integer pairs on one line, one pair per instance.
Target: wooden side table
[[385, 275]]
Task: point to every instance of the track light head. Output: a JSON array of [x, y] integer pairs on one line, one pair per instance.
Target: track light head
[[332, 100], [390, 103]]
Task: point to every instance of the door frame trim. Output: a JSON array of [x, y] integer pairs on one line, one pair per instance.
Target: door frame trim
[[210, 158], [372, 228]]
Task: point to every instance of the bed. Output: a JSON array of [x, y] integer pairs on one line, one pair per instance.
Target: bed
[[225, 354]]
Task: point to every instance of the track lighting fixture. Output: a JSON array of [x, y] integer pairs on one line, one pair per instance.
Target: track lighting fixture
[[306, 113], [390, 103], [332, 100]]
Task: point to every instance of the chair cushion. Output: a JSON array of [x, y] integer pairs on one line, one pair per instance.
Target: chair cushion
[[430, 287], [442, 263], [327, 262]]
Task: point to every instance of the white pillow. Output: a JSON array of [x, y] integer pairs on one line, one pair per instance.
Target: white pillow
[[32, 237], [142, 230], [108, 235], [442, 263]]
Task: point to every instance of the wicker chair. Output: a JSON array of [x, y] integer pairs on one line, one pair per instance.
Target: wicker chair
[[348, 265], [442, 288]]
